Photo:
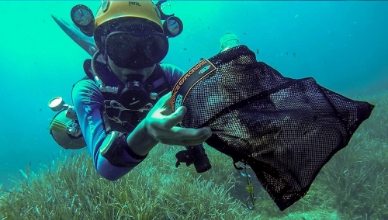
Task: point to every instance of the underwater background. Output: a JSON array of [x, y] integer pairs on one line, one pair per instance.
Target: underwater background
[[342, 44]]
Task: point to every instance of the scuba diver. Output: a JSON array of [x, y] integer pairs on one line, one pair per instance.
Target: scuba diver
[[122, 107]]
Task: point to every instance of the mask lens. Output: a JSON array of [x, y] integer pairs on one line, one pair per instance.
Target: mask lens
[[129, 50], [155, 48]]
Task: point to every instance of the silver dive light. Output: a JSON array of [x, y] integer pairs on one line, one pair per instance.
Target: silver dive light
[[57, 104]]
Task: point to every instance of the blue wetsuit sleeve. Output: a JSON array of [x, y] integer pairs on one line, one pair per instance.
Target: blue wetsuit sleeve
[[88, 102], [172, 72]]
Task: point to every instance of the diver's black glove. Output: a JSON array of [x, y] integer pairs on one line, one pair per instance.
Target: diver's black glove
[[194, 155]]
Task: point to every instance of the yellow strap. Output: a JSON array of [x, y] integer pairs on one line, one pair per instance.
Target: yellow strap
[[58, 126]]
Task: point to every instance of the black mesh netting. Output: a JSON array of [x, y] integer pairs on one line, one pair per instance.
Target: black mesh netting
[[285, 129]]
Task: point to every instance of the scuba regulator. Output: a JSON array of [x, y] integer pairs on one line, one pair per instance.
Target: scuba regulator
[[134, 95]]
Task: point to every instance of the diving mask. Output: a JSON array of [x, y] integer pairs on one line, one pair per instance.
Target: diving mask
[[136, 50]]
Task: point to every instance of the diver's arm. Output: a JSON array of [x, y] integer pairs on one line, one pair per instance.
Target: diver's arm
[[160, 126], [142, 139], [160, 123], [140, 134], [110, 156], [139, 141]]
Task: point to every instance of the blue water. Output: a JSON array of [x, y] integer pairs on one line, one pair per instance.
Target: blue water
[[343, 45]]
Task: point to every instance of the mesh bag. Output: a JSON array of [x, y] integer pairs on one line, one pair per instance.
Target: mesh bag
[[284, 129]]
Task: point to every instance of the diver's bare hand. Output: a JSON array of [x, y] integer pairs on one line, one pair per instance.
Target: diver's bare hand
[[161, 124]]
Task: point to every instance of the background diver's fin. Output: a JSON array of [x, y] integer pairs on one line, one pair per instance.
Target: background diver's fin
[[87, 43]]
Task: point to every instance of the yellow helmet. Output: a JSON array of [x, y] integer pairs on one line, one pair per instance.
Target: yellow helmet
[[110, 10]]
